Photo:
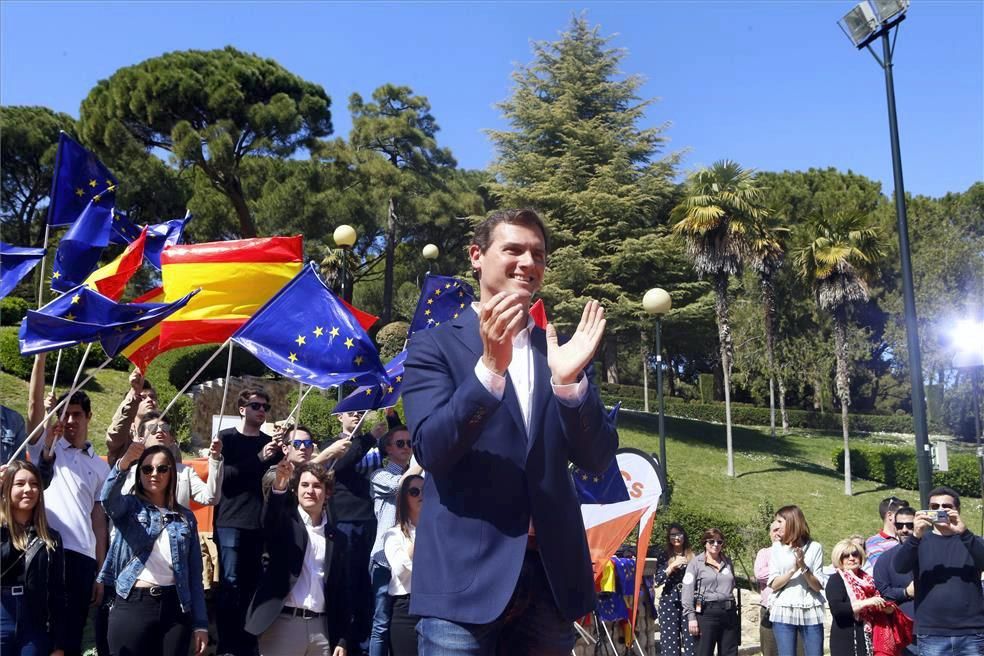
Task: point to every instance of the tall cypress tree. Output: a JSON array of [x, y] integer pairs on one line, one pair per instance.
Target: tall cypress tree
[[577, 154]]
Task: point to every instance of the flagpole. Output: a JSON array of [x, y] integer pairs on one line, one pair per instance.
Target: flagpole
[[47, 232], [194, 376], [51, 413], [54, 379], [355, 431], [73, 388], [297, 408], [225, 382]]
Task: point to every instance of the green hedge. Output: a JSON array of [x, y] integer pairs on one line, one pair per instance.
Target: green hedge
[[12, 362], [896, 467], [751, 415], [12, 310]]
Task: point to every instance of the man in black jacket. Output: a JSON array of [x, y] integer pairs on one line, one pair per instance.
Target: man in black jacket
[[301, 604], [891, 584]]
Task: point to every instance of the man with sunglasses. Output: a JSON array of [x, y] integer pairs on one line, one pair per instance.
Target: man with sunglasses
[[891, 584], [946, 561], [298, 447], [884, 539], [385, 483], [248, 453]]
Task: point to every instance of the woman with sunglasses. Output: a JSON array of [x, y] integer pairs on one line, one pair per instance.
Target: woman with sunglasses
[[398, 546], [32, 564], [671, 562], [708, 598], [154, 560], [796, 603], [861, 618]]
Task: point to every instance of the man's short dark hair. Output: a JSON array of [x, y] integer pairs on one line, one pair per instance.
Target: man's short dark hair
[[944, 491], [891, 504], [79, 398], [327, 478], [905, 510], [385, 440], [524, 217], [245, 395], [147, 385], [293, 431], [147, 418]]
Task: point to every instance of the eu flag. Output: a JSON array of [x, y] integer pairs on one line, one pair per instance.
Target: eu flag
[[84, 315], [15, 263], [608, 487], [79, 250], [79, 178], [382, 395], [443, 298], [159, 235], [305, 333]]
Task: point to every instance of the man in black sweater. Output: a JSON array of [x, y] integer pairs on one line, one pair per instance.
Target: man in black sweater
[[946, 561], [248, 453]]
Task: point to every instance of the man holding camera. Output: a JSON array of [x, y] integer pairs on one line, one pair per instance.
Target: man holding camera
[[946, 561]]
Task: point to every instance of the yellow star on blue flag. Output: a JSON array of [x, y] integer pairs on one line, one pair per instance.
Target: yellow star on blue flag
[[440, 299]]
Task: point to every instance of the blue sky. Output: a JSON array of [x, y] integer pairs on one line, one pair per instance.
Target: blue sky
[[773, 85]]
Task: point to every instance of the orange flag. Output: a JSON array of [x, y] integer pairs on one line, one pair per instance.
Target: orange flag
[[110, 280], [235, 277]]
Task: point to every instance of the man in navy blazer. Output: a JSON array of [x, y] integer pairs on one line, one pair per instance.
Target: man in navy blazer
[[497, 408]]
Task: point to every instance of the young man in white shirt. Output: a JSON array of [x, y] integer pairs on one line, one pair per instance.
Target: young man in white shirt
[[71, 499]]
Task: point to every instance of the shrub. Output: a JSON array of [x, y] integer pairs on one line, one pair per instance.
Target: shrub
[[391, 339], [12, 362], [896, 467], [737, 535], [12, 310], [177, 366]]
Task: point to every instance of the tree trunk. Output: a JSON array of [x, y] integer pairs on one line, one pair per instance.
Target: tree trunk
[[643, 351], [724, 337], [611, 358], [247, 227], [769, 309], [843, 387], [390, 263], [782, 405], [772, 406]]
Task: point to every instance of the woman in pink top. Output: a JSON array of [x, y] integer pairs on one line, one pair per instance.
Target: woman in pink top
[[766, 639]]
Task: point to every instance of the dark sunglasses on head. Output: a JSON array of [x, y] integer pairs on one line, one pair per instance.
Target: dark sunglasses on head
[[147, 470], [415, 491], [714, 542], [158, 428], [902, 525], [255, 405], [302, 444], [944, 506], [401, 443]]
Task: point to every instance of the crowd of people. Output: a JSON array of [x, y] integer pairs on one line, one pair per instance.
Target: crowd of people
[[915, 587], [325, 546]]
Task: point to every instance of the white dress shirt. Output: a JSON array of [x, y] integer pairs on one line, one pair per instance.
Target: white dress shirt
[[309, 589], [396, 546], [78, 478]]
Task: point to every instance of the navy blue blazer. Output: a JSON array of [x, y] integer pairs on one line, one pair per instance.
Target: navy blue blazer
[[485, 479]]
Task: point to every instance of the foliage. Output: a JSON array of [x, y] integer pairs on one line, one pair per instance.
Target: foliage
[[897, 467], [211, 110], [177, 366], [12, 362], [316, 413], [27, 164], [391, 338], [12, 310]]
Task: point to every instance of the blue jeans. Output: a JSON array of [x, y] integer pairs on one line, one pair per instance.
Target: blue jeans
[[960, 645], [786, 635], [379, 637], [240, 562], [530, 624], [19, 636]]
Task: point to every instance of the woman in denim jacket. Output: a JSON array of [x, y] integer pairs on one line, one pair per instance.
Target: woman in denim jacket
[[155, 560]]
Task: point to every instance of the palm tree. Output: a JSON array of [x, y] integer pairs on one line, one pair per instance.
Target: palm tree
[[716, 217], [837, 261], [767, 252]]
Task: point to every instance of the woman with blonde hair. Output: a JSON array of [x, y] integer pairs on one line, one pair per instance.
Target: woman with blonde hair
[[796, 607], [32, 564], [863, 622]]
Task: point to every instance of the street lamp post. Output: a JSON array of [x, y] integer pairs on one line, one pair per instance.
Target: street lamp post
[[430, 253], [864, 24], [345, 237], [658, 303]]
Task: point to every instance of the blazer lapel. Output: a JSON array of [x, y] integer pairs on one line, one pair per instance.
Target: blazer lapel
[[542, 391]]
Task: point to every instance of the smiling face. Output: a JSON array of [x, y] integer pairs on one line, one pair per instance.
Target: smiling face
[[310, 493], [775, 530], [514, 262], [24, 491]]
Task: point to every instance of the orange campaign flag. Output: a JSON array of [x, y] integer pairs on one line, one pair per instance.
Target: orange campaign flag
[[235, 277], [110, 280]]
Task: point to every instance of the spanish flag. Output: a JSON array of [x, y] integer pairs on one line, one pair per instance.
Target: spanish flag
[[110, 280], [142, 351], [235, 277]]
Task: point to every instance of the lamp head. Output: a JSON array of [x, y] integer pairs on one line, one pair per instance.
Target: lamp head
[[657, 301], [345, 236], [431, 252], [859, 23], [967, 338]]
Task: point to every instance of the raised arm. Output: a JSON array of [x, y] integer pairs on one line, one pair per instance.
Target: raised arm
[[35, 396]]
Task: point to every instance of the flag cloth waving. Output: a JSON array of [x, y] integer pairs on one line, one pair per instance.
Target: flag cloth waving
[[79, 250], [304, 332], [159, 235], [441, 299], [79, 178], [15, 263], [236, 278], [110, 280], [85, 315], [374, 397]]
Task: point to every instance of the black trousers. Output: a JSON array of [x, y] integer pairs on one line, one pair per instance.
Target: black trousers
[[145, 625], [240, 565], [80, 574], [719, 629], [403, 628], [101, 621]]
